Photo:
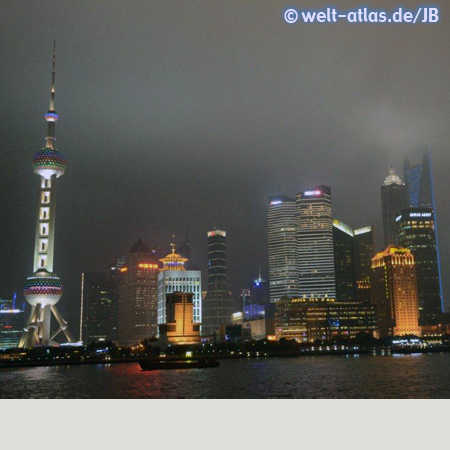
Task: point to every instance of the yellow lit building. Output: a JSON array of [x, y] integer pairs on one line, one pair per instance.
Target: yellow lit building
[[180, 328], [394, 292], [305, 319], [175, 277]]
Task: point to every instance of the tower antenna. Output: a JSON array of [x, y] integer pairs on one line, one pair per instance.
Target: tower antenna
[[52, 89]]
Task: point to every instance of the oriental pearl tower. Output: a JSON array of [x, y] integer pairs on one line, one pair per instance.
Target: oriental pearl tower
[[44, 289]]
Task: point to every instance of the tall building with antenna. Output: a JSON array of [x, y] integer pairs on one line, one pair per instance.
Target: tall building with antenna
[[44, 289]]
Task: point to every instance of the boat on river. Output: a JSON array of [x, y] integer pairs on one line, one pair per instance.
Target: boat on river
[[176, 364]]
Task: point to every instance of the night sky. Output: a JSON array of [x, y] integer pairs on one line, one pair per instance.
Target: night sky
[[178, 115]]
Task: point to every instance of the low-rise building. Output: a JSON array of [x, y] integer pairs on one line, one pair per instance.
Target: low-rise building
[[12, 322]]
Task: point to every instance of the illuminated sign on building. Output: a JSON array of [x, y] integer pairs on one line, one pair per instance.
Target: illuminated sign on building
[[423, 214], [415, 214], [148, 266], [310, 193], [276, 202]]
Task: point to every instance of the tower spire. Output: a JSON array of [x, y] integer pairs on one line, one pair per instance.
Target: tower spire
[[51, 117], [52, 90]]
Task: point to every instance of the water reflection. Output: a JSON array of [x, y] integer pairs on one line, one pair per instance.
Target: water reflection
[[365, 376]]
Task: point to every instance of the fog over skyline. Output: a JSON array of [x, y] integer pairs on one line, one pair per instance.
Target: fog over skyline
[[175, 116]]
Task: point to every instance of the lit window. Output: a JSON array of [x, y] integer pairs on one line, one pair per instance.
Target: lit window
[[44, 214], [43, 245]]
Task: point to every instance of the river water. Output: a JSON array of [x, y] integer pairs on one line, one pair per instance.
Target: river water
[[406, 376]]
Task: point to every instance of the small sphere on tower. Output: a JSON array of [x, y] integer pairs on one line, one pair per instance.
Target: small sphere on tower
[[51, 116], [44, 288], [48, 162]]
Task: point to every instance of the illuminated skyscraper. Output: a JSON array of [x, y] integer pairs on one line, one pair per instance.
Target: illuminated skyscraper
[[416, 232], [344, 262], [44, 288], [364, 252], [316, 271], [282, 230], [174, 277], [394, 292], [393, 200], [259, 291], [138, 296], [217, 306], [255, 298], [420, 187]]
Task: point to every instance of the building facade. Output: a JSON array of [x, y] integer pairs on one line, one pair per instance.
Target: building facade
[[364, 252], [290, 320], [316, 271], [114, 277], [259, 291], [255, 298], [217, 306], [344, 262], [394, 292], [393, 200], [98, 309], [419, 183], [323, 319], [173, 277], [282, 238], [12, 321], [138, 296], [420, 187], [179, 328], [416, 232]]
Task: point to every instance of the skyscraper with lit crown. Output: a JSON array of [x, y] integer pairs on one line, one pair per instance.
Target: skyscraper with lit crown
[[393, 200], [282, 240], [394, 292], [44, 289], [217, 305], [344, 261], [316, 271]]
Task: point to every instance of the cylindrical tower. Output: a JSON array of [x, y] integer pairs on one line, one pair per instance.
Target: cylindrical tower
[[44, 289]]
